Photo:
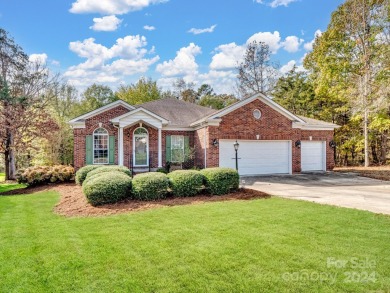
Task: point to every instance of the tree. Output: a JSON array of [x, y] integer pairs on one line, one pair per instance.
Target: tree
[[217, 101], [295, 92], [24, 93], [94, 97], [184, 91], [145, 90], [350, 60], [204, 90], [257, 73]]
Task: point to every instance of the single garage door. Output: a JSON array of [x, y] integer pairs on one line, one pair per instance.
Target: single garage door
[[256, 157], [313, 156]]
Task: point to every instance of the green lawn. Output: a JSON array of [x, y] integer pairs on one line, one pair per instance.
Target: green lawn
[[261, 245], [8, 186]]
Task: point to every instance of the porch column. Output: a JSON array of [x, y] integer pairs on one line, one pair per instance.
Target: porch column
[[159, 148], [120, 146]]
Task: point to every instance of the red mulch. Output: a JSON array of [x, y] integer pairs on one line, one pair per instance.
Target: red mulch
[[376, 172], [73, 202]]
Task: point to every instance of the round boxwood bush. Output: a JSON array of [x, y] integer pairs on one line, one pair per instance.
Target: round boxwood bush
[[105, 169], [83, 172], [186, 182], [150, 186], [220, 180], [114, 186]]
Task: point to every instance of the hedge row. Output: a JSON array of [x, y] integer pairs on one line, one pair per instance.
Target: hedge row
[[33, 176], [111, 184]]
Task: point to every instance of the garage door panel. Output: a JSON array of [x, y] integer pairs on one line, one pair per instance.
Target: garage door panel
[[256, 157], [312, 156]]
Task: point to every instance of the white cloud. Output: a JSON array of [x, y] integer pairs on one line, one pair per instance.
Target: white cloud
[[227, 57], [109, 65], [183, 64], [106, 23], [38, 58], [290, 64], [149, 27], [131, 47], [110, 7], [55, 63], [309, 45], [291, 44], [277, 3], [271, 39], [197, 31]]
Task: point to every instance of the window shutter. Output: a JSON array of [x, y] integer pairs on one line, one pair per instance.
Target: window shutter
[[168, 148], [111, 152], [186, 147], [89, 149]]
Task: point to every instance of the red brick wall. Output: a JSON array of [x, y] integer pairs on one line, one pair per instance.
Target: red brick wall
[[240, 124], [90, 125]]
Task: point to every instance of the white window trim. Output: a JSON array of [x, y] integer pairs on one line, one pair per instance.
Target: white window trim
[[147, 146], [93, 146], [182, 136]]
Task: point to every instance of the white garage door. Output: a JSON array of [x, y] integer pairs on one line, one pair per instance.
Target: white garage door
[[313, 156], [256, 157]]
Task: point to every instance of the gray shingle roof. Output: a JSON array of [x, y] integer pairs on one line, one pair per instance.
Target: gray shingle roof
[[316, 122], [177, 112]]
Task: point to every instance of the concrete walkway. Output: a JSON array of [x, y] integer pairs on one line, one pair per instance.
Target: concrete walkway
[[340, 189]]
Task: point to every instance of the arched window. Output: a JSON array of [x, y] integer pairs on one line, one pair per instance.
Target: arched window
[[100, 146]]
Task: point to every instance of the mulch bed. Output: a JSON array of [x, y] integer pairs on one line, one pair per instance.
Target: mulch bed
[[376, 172], [74, 204]]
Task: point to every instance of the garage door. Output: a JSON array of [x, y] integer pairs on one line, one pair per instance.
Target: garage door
[[256, 157], [312, 156]]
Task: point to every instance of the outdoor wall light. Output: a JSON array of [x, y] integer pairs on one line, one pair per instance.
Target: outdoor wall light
[[298, 144], [215, 142], [332, 144]]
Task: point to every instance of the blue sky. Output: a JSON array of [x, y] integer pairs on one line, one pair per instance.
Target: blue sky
[[117, 41]]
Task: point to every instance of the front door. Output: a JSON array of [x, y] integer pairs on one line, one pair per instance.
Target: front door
[[141, 149]]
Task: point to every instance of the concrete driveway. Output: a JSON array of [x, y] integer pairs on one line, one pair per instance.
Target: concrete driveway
[[345, 190]]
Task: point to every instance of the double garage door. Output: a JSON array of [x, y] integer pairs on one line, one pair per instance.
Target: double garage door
[[256, 157], [270, 157]]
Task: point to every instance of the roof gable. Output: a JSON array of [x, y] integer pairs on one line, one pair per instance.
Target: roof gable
[[218, 114], [80, 119]]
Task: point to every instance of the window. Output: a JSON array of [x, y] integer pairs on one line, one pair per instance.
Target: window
[[177, 148], [100, 146], [256, 114]]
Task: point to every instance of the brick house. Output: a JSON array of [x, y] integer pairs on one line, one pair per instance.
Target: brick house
[[271, 140]]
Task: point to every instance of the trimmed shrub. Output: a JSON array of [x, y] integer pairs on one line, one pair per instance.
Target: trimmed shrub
[[220, 181], [150, 186], [186, 182], [82, 173], [162, 170], [105, 169], [109, 187], [33, 176]]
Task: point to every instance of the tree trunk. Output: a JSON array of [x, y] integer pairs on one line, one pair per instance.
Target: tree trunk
[[9, 158], [366, 154], [384, 148]]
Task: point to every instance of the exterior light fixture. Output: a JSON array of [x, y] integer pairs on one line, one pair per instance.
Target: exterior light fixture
[[332, 144], [236, 145], [215, 142], [298, 144]]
